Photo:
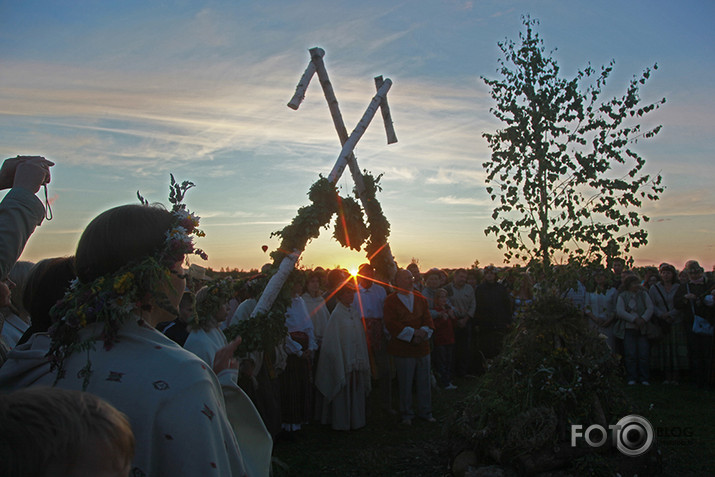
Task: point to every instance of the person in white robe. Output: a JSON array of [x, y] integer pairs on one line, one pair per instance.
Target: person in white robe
[[204, 340], [343, 373]]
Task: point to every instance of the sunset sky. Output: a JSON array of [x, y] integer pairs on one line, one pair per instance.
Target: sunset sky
[[119, 94]]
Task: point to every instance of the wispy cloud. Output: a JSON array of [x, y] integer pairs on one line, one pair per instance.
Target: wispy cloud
[[447, 176], [453, 200]]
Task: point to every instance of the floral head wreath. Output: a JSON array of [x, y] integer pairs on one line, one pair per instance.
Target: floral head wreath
[[217, 294], [111, 299]]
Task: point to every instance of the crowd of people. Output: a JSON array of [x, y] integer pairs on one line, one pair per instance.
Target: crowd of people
[[125, 343]]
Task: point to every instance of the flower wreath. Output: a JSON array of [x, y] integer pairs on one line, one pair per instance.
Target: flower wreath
[[218, 293], [111, 299]]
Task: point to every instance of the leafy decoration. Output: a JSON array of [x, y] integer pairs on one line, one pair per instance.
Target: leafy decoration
[[264, 331], [217, 294], [113, 298], [350, 230]]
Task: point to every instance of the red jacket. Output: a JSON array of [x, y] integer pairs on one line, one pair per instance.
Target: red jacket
[[397, 317], [443, 328]]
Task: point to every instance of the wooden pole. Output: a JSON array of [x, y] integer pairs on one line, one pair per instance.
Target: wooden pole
[[358, 132], [299, 95], [386, 116], [346, 157], [274, 285]]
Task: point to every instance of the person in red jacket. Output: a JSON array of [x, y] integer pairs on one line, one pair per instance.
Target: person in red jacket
[[443, 339], [407, 319]]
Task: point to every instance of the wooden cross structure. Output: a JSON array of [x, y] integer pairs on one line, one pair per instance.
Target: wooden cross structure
[[346, 157]]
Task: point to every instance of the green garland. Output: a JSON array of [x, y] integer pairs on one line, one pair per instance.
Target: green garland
[[266, 330], [378, 227], [350, 230]]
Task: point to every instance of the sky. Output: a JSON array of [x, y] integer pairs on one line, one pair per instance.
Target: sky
[[120, 94]]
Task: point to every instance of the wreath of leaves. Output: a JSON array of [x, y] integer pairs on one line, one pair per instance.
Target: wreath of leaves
[[266, 330], [112, 299]]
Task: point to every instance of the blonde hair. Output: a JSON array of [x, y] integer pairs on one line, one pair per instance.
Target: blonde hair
[[202, 319], [441, 292], [46, 427]]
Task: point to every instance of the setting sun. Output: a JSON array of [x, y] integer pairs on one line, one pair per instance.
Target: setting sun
[[353, 271]]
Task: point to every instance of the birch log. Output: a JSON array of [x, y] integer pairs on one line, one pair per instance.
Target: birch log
[[299, 95], [346, 157], [317, 59], [274, 285], [358, 132], [386, 116]]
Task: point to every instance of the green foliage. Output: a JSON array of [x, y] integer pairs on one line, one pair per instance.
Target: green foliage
[[350, 230], [549, 376], [378, 227], [217, 294], [564, 172], [307, 224], [264, 331]]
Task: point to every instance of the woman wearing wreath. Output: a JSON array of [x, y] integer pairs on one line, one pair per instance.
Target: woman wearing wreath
[[103, 341]]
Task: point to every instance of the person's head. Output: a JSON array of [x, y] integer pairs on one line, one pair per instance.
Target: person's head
[[443, 278], [312, 283], [53, 432], [404, 281], [618, 265], [322, 274], [46, 285], [119, 236], [366, 275], [460, 278], [414, 269], [631, 283], [600, 278], [695, 271], [432, 278], [127, 235], [297, 278], [336, 276], [525, 284], [473, 278], [490, 274], [212, 304], [668, 273], [346, 294], [186, 307], [440, 297]]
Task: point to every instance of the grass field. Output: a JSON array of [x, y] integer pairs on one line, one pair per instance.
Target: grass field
[[683, 416]]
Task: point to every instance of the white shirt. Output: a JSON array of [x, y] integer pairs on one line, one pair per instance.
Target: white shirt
[[370, 301]]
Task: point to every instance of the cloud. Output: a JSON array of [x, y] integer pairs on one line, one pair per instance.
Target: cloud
[[453, 200], [447, 176], [694, 202]]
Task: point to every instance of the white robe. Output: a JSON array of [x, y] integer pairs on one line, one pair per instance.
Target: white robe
[[253, 437], [173, 400], [319, 315], [343, 373]]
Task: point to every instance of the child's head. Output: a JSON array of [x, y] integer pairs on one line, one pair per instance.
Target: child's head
[[52, 432], [440, 297]]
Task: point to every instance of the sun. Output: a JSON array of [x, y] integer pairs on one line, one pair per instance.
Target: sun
[[353, 271]]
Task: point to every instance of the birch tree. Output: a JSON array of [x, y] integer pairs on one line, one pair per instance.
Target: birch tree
[[564, 171]]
